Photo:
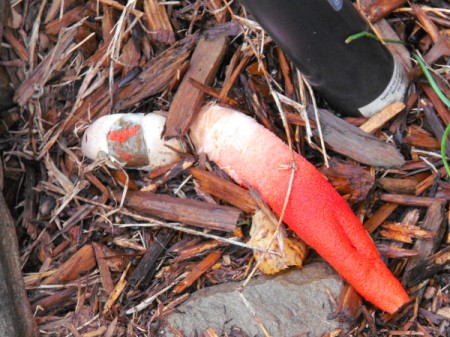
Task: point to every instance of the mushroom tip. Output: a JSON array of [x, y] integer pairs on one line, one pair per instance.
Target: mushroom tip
[[88, 146]]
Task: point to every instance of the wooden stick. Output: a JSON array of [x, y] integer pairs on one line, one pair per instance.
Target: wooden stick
[[16, 319], [409, 200], [213, 92], [170, 174], [58, 298], [189, 211]]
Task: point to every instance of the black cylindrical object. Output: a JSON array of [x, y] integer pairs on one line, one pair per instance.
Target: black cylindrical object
[[359, 78]]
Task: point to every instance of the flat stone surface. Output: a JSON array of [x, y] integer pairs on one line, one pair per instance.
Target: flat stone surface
[[292, 304]]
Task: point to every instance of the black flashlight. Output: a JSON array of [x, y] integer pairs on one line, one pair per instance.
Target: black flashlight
[[359, 78]]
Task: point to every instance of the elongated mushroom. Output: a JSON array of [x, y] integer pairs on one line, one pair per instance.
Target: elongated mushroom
[[315, 211], [253, 155]]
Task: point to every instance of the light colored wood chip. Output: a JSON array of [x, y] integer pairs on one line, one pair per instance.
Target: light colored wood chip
[[80, 262], [120, 286], [383, 117], [198, 271], [158, 21]]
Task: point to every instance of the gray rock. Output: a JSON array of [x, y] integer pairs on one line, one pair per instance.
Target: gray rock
[[291, 304]]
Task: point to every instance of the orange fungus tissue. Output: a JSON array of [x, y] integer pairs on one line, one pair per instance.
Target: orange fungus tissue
[[253, 155]]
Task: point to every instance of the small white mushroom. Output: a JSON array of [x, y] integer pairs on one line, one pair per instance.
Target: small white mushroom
[[134, 140]]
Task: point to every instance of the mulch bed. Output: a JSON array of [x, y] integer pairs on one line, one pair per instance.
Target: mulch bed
[[95, 267]]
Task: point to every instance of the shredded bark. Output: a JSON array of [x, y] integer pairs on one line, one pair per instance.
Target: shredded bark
[[110, 251]]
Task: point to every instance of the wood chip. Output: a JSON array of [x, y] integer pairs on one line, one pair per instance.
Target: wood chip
[[175, 170], [437, 103], [117, 291], [434, 221], [198, 271], [429, 267], [219, 10], [197, 250], [349, 140], [381, 118], [393, 252], [69, 18], [411, 230], [146, 269], [95, 333], [402, 199], [422, 139], [47, 68], [352, 181], [105, 274], [349, 304], [80, 262], [110, 331], [375, 10], [189, 211], [158, 21], [120, 7], [404, 232], [187, 102], [18, 47], [379, 216], [224, 190], [399, 186]]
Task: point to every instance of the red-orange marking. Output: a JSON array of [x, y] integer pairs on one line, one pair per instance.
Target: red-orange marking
[[125, 157], [122, 135]]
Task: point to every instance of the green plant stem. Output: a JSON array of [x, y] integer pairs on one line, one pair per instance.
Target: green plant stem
[[444, 149], [444, 100], [370, 36], [431, 80]]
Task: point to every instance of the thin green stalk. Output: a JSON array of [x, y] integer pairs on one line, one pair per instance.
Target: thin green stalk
[[444, 100], [430, 79], [444, 149], [370, 36]]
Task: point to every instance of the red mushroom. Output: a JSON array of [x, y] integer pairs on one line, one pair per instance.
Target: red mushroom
[[253, 155], [315, 211]]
